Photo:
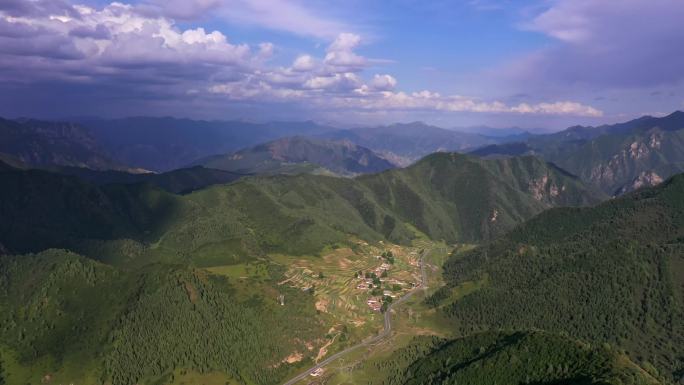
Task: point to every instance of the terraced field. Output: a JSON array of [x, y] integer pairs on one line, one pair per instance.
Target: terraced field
[[342, 283], [411, 318]]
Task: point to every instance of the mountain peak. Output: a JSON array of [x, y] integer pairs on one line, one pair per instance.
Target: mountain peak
[[676, 115], [300, 154], [413, 124]]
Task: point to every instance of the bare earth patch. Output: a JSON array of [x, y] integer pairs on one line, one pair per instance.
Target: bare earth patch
[[294, 357], [358, 322], [324, 349], [192, 292], [322, 305], [344, 263], [338, 254]]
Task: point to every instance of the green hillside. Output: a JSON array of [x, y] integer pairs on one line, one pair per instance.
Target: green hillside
[[40, 143], [614, 158], [300, 154], [137, 304], [79, 321], [619, 163], [610, 274], [509, 358], [461, 198], [445, 196], [43, 209], [179, 181]]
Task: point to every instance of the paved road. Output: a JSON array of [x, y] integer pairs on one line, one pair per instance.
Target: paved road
[[386, 331]]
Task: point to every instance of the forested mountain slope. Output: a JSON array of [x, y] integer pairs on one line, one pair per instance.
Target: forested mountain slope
[[38, 143], [138, 298], [615, 158], [509, 358], [178, 181], [283, 156], [619, 163], [69, 319], [461, 198], [163, 144], [445, 196], [147, 143], [41, 209], [613, 273]]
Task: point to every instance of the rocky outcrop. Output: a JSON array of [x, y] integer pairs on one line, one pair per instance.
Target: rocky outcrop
[[544, 189], [644, 179], [631, 167]]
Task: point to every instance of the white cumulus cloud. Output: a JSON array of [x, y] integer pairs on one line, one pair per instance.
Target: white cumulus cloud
[[304, 63], [341, 53], [383, 82], [143, 52]]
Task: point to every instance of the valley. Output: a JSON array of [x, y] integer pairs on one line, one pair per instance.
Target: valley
[[271, 272], [297, 192], [407, 318]]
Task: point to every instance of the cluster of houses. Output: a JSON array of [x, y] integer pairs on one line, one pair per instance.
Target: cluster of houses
[[375, 303], [382, 268]]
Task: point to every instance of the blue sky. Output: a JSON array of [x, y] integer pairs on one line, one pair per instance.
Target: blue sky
[[417, 40], [534, 63]]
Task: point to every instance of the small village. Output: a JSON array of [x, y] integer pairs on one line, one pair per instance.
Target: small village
[[345, 281], [382, 289], [352, 288], [378, 284]]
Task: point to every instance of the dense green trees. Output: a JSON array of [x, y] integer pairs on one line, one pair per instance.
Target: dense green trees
[[508, 359], [446, 196], [388, 256], [131, 326], [610, 274], [181, 319], [148, 306], [464, 199]]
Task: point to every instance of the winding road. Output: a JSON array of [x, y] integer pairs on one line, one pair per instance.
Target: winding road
[[386, 331]]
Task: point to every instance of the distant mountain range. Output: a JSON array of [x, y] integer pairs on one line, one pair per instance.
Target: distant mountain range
[[298, 154], [163, 144], [498, 132], [39, 143], [179, 181], [405, 143], [109, 274], [616, 158]]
